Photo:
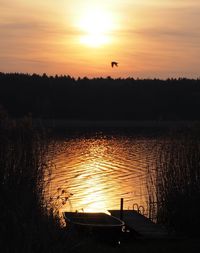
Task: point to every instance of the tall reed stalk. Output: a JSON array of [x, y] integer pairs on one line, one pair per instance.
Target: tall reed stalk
[[174, 186], [24, 225]]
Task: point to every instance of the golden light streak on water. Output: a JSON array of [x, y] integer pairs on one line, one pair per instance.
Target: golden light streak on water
[[98, 171]]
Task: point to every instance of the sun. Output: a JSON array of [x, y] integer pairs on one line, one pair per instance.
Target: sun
[[95, 27]]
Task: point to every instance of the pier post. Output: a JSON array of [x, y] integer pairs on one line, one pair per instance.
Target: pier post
[[121, 208]]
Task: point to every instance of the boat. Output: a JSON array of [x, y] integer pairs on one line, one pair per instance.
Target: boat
[[101, 224]]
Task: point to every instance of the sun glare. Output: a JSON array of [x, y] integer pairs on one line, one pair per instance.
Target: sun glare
[[96, 26]]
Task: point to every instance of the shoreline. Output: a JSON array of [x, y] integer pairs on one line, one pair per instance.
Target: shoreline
[[63, 123]]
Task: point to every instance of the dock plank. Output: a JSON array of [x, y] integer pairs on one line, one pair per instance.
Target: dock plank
[[141, 224]]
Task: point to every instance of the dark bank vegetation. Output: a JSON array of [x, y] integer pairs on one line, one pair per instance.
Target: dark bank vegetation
[[100, 98], [174, 186], [24, 223]]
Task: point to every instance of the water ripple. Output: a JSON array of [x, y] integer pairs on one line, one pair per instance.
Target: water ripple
[[99, 171]]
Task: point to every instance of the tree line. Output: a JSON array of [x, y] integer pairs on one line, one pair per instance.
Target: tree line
[[65, 97]]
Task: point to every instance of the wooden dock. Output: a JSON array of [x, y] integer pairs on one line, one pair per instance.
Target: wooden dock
[[141, 225]]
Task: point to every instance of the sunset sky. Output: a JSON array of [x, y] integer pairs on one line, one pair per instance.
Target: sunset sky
[[149, 38]]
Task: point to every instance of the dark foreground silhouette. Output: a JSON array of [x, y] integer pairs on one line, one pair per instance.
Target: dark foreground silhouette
[[100, 98], [26, 227]]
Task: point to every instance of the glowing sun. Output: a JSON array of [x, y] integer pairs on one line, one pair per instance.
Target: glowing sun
[[95, 26]]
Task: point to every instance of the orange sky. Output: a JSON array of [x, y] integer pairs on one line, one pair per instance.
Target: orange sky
[[149, 38]]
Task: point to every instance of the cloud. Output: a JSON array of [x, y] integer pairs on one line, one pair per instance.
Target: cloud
[[180, 24]]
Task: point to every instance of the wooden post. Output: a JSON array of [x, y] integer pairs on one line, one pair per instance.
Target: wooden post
[[121, 208]]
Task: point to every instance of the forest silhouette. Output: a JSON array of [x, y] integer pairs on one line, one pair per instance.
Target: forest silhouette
[[65, 97]]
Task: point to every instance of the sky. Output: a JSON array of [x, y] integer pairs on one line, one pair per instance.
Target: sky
[[149, 38]]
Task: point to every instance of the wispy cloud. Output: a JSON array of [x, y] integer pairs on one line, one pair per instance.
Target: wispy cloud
[[158, 36]]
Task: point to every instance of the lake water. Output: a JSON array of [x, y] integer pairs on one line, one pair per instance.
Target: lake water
[[91, 173]]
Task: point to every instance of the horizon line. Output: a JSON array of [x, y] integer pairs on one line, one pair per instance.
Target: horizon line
[[100, 77]]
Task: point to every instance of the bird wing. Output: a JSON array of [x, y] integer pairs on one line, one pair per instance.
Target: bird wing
[[114, 63]]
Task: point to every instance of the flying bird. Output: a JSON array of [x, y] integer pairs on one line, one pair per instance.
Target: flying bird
[[114, 63]]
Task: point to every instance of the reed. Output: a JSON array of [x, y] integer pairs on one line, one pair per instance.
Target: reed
[[25, 225], [174, 184]]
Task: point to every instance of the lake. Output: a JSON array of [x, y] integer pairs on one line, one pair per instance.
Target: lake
[[92, 172]]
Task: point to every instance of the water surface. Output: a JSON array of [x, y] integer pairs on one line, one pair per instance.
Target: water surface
[[92, 173]]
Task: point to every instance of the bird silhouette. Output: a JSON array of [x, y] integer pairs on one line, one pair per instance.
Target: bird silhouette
[[114, 63]]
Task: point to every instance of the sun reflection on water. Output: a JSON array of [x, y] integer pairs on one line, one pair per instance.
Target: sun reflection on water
[[97, 172]]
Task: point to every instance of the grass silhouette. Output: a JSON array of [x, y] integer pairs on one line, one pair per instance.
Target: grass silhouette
[[25, 225], [174, 187]]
